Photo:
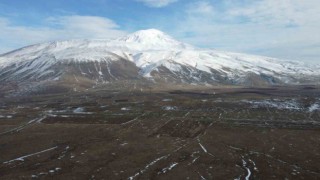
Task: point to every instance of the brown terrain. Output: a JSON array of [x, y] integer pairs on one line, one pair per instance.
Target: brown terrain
[[213, 133]]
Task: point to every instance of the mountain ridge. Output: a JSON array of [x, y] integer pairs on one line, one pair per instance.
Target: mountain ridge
[[156, 56]]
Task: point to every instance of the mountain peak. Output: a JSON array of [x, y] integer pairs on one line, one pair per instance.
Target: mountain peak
[[146, 35], [150, 32], [153, 39]]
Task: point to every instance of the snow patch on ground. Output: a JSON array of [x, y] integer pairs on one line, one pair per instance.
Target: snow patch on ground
[[125, 109], [6, 116], [51, 171], [275, 103], [314, 107], [290, 104], [170, 108], [81, 110]]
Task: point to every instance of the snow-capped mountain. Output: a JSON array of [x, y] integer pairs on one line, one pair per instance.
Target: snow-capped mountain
[[148, 55]]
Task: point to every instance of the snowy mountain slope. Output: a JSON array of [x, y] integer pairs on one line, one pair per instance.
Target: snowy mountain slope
[[153, 55], [96, 49]]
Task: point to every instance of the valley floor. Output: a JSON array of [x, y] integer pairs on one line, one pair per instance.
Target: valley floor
[[218, 133]]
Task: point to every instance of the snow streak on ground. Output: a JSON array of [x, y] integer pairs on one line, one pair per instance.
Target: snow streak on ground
[[148, 166], [244, 164], [169, 168], [29, 155], [22, 126], [203, 148]]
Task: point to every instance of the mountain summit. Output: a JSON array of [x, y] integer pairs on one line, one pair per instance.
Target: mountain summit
[[146, 55], [147, 36], [153, 39]]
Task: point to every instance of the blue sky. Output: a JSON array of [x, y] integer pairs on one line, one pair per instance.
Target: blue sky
[[287, 29]]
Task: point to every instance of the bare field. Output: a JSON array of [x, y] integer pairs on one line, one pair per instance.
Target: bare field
[[217, 133]]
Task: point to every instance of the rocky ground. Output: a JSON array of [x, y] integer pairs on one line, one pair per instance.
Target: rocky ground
[[215, 133]]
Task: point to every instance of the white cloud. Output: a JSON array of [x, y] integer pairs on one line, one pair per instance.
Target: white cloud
[[157, 3], [280, 28], [280, 11], [56, 28], [201, 8], [86, 26]]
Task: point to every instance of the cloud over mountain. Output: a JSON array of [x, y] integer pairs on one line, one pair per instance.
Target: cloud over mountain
[[57, 28]]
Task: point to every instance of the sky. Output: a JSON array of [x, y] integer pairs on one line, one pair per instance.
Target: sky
[[285, 29]]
